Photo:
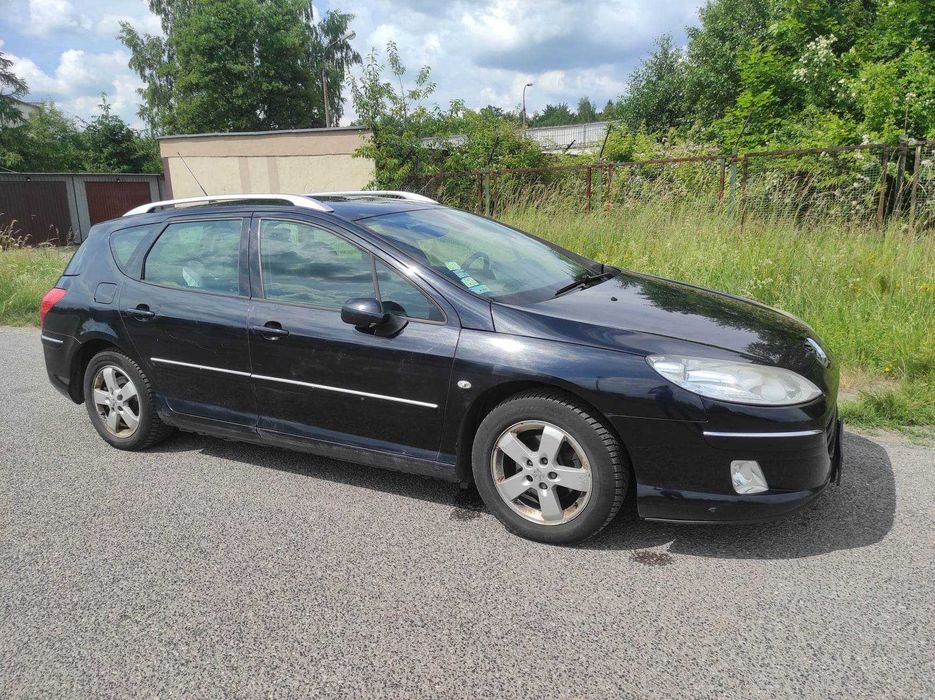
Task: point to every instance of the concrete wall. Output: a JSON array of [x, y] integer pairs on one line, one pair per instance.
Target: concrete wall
[[293, 162]]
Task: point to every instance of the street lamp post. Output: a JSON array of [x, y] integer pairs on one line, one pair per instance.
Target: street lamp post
[[524, 103], [324, 74]]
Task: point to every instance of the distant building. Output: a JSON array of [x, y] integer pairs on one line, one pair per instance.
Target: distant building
[[294, 161], [26, 109]]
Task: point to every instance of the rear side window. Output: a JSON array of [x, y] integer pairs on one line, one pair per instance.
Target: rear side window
[[197, 255], [125, 244], [303, 264]]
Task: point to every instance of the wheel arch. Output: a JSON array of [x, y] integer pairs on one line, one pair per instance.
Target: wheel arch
[[90, 347], [495, 395]]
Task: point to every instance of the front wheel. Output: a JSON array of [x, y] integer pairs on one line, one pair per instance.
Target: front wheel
[[549, 469]]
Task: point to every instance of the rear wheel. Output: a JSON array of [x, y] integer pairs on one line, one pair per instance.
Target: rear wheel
[[549, 469], [120, 403]]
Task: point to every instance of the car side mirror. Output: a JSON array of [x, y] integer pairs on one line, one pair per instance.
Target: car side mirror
[[367, 315]]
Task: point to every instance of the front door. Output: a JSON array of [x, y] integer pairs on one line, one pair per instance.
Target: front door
[[187, 319], [317, 377]]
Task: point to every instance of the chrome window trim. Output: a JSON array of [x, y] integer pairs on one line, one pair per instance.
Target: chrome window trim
[[57, 341], [295, 382], [794, 433]]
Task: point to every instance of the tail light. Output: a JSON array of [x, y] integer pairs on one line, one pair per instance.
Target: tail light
[[51, 297]]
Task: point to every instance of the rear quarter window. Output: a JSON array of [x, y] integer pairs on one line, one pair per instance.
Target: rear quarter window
[[125, 246], [74, 266]]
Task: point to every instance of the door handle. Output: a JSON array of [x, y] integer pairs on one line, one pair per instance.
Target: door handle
[[271, 331], [141, 312]]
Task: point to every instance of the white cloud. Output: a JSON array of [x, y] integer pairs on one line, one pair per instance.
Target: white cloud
[[48, 17], [79, 79]]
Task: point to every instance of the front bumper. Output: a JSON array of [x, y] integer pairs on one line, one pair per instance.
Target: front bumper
[[683, 468]]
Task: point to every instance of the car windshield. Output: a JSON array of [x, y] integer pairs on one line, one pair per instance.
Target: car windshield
[[487, 258]]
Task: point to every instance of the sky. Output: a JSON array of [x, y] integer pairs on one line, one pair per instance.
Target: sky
[[481, 51]]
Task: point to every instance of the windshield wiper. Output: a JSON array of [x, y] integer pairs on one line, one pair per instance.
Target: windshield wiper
[[585, 282]]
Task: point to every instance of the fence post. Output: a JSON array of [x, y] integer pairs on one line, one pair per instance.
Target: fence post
[[900, 174], [881, 202], [743, 190], [480, 192], [493, 194], [609, 188], [722, 174], [916, 166], [486, 194], [587, 189]]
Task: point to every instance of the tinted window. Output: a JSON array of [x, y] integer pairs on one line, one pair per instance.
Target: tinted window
[[304, 264], [202, 255], [486, 257], [74, 265], [126, 242], [401, 297]]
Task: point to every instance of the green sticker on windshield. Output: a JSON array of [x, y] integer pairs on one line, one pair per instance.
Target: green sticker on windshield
[[452, 266], [470, 282]]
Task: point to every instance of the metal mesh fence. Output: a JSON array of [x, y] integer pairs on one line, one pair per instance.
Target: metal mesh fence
[[833, 184], [921, 205], [859, 185]]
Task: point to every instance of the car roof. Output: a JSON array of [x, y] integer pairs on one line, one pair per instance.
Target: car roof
[[356, 209]]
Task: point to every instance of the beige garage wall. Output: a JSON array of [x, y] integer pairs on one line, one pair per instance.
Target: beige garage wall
[[311, 160]]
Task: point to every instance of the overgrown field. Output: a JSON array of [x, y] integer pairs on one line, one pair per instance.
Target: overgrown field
[[869, 294], [25, 275]]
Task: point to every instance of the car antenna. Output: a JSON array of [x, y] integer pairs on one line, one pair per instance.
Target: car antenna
[[192, 174]]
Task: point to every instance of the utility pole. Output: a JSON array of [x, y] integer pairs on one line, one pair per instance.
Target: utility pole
[[524, 104], [324, 73]]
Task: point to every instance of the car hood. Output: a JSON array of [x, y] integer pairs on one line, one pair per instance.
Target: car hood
[[640, 313]]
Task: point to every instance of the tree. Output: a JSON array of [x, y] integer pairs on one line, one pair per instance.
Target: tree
[[586, 111], [111, 146], [239, 65], [12, 87], [48, 141], [554, 115], [656, 90]]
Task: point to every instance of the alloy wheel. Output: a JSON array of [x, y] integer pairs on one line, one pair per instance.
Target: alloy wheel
[[116, 401], [541, 472]]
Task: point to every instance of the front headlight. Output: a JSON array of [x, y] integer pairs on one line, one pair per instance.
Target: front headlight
[[735, 381]]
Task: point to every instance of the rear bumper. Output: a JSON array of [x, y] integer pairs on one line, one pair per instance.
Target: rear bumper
[[683, 469], [58, 350]]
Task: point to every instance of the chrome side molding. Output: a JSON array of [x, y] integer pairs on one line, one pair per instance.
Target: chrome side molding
[[296, 382]]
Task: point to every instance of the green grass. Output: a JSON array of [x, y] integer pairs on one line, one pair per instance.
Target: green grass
[[25, 275], [869, 294]]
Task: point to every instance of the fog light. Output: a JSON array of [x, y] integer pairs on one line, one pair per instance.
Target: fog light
[[747, 477]]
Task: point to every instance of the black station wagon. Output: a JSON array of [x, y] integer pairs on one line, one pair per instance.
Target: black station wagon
[[386, 329]]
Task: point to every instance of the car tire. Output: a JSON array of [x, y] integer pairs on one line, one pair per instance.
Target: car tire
[[120, 402], [562, 440]]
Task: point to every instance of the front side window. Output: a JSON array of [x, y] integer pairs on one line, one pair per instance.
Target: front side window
[[483, 256], [199, 255], [303, 264], [400, 297]]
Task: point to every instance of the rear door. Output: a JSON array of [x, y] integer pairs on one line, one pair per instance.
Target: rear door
[[186, 314], [317, 377]]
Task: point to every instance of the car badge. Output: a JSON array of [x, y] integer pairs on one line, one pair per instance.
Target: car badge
[[819, 352]]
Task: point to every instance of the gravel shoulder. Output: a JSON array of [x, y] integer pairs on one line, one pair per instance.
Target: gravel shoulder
[[207, 568]]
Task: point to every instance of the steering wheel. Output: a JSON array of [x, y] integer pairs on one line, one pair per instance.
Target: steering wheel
[[474, 257]]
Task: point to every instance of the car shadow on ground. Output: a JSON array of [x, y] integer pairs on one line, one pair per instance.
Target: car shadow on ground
[[858, 513]]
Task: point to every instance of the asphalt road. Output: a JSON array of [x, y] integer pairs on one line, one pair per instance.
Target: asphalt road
[[204, 568]]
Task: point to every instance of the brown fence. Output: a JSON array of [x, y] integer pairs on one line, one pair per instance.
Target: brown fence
[[862, 184]]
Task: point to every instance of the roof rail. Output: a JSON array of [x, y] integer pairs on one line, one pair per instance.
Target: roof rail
[[296, 200], [388, 194]]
